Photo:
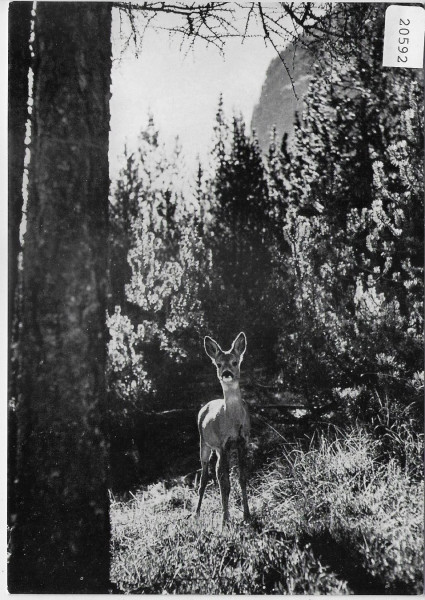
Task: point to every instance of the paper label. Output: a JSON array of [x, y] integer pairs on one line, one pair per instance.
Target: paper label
[[404, 36]]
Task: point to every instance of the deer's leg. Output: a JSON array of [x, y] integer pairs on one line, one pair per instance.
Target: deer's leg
[[224, 480], [243, 475], [205, 457]]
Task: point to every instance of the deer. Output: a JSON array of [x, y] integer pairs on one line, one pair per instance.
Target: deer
[[224, 424]]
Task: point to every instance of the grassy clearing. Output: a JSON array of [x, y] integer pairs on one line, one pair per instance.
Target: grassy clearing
[[330, 519]]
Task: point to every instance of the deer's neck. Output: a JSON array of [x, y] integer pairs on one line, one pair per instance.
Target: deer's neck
[[232, 394]]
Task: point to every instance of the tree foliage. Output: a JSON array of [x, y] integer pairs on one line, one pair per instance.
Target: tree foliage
[[157, 231], [353, 183], [315, 249]]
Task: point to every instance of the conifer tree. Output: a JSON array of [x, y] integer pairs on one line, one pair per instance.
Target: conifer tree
[[349, 224], [157, 230], [149, 188], [389, 292], [241, 235]]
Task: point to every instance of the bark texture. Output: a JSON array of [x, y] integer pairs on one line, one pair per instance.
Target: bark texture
[[18, 65], [61, 538]]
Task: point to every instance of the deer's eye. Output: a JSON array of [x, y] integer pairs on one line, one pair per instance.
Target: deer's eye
[[218, 365], [234, 363]]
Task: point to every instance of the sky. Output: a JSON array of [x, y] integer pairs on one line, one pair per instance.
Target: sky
[[181, 91]]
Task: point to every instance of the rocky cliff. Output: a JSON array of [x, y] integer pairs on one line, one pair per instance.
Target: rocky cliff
[[277, 104]]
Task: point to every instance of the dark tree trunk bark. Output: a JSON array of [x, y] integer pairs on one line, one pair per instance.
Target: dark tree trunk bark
[[19, 62], [61, 539]]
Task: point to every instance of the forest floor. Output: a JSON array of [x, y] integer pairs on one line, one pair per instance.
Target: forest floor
[[332, 517]]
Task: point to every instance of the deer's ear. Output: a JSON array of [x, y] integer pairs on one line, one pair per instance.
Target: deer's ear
[[211, 348], [239, 345]]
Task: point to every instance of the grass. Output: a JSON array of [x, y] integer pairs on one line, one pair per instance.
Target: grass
[[333, 518]]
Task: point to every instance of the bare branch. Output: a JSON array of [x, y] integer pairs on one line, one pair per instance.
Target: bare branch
[[269, 38], [312, 26]]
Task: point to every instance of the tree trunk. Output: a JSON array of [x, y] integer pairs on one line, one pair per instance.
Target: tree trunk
[[19, 62], [61, 538]]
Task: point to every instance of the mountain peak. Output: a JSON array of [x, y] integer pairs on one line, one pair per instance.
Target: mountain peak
[[278, 103]]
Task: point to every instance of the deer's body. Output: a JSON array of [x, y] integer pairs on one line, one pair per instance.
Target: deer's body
[[225, 423]]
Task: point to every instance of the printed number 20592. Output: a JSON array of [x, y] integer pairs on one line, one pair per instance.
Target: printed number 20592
[[403, 40]]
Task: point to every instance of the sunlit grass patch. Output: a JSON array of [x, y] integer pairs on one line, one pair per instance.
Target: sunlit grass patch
[[369, 509], [332, 519], [159, 546]]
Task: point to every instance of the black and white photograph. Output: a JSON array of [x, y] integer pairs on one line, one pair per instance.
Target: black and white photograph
[[215, 298]]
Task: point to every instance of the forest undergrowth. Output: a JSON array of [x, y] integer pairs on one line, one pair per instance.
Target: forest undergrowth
[[329, 516]]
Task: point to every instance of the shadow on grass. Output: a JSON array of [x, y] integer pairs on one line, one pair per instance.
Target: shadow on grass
[[337, 556]]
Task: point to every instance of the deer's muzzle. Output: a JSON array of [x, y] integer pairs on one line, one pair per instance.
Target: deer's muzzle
[[227, 375]]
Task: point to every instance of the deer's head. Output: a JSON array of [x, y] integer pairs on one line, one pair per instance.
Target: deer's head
[[227, 363]]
